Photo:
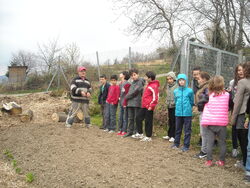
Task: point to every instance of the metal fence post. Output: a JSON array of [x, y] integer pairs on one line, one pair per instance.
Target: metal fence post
[[218, 63], [98, 66], [129, 58]]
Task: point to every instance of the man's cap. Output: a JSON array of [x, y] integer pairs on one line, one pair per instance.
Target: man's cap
[[81, 68]]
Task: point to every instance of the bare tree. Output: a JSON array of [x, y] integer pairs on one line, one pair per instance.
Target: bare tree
[[24, 58], [71, 54], [48, 54], [152, 16]]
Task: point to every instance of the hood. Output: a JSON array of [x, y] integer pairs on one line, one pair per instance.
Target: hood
[[154, 82], [182, 76], [171, 74]]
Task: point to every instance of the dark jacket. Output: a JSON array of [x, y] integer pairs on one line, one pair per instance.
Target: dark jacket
[[202, 96], [135, 93], [77, 86], [102, 97]]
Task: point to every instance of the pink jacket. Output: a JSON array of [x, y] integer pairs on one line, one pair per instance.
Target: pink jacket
[[216, 110]]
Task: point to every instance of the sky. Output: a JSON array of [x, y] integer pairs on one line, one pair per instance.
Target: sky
[[92, 25]]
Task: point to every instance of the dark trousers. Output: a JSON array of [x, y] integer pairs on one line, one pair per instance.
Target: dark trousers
[[132, 113], [234, 137], [181, 122], [103, 108], [243, 140], [171, 122], [148, 116], [123, 119], [110, 116]]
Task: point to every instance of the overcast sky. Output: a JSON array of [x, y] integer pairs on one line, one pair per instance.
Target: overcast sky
[[92, 25]]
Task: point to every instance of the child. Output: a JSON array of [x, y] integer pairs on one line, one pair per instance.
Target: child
[[201, 99], [80, 94], [112, 102], [171, 86], [103, 97], [123, 116], [215, 118], [133, 99], [149, 101], [184, 101]]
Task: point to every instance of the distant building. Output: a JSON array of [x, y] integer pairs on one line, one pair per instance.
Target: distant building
[[17, 74]]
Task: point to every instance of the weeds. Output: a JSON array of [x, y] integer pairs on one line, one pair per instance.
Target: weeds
[[29, 177]]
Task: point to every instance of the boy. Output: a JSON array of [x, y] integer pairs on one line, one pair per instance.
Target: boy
[[133, 99], [123, 116], [184, 101], [171, 86], [103, 97], [149, 101], [112, 102], [80, 94]]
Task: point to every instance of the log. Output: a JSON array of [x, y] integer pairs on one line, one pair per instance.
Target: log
[[61, 117], [12, 108], [80, 115], [27, 116]]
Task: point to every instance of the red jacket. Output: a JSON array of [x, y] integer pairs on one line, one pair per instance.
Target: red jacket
[[126, 88], [151, 95], [113, 94]]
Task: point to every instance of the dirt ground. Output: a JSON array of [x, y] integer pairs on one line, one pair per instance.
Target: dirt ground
[[81, 157]]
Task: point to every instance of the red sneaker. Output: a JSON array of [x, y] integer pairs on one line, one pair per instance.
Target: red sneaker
[[119, 133], [123, 133], [220, 163], [209, 163]]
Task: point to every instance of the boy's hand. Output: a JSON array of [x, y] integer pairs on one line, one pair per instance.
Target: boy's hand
[[88, 95], [246, 125], [150, 108], [83, 94]]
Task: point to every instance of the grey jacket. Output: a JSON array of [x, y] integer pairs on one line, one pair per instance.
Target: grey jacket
[[241, 98], [135, 93], [170, 95]]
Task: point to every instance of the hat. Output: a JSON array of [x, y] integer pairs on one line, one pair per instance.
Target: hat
[[79, 69], [171, 74]]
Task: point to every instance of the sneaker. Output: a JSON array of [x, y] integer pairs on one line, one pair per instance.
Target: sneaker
[[171, 139], [119, 133], [220, 163], [235, 153], [67, 125], [146, 139], [239, 164], [137, 136], [166, 137], [200, 155], [184, 149], [88, 125], [247, 178], [123, 133], [174, 146], [209, 163], [127, 135], [106, 130], [111, 131]]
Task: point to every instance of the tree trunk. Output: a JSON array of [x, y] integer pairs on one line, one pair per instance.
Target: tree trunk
[[61, 117]]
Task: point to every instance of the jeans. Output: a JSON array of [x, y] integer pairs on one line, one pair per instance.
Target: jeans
[[148, 116], [203, 132], [221, 132], [132, 113], [187, 123], [103, 110], [248, 153], [123, 119], [171, 122], [234, 137], [110, 116]]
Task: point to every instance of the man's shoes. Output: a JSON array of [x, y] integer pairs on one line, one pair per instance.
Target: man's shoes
[[174, 146], [171, 139], [67, 125], [200, 155], [137, 136], [220, 163], [184, 149]]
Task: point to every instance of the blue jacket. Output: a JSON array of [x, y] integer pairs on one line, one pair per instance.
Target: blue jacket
[[184, 98]]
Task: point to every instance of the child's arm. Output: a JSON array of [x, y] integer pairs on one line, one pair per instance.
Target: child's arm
[[191, 97], [155, 93], [137, 90], [117, 93]]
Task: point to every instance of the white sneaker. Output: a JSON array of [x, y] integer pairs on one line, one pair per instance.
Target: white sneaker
[[146, 139], [106, 130], [235, 153], [171, 139], [137, 136], [165, 137], [67, 125], [111, 131]]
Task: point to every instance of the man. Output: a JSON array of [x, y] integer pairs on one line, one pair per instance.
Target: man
[[80, 94], [196, 73]]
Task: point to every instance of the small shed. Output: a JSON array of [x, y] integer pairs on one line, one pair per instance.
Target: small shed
[[17, 74]]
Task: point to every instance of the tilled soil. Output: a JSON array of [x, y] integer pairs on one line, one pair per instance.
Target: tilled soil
[[81, 157]]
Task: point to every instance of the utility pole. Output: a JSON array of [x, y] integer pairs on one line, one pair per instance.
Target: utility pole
[[98, 65]]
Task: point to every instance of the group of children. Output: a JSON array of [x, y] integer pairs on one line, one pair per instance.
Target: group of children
[[138, 98], [136, 104]]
